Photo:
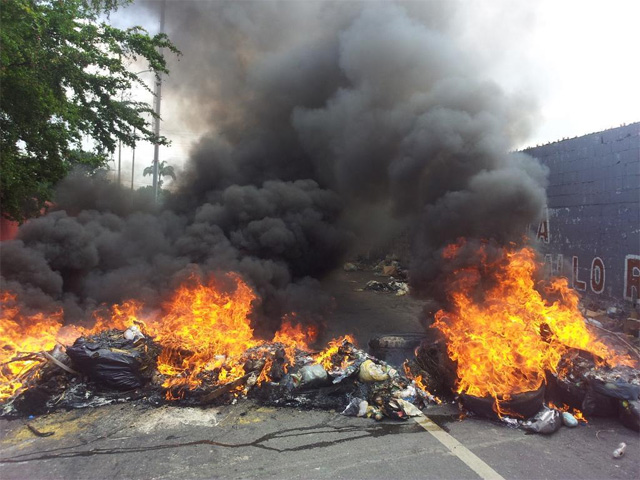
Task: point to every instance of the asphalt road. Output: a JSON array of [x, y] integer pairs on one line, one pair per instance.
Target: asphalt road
[[253, 442], [250, 441]]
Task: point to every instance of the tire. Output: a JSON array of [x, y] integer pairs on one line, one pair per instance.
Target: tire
[[525, 404], [395, 348]]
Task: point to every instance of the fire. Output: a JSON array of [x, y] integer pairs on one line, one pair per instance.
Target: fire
[[204, 331], [573, 411], [120, 316], [326, 356], [22, 334], [292, 336], [579, 415], [419, 381], [504, 343]]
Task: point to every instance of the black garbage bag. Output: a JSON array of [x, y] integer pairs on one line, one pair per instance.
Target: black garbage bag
[[617, 389], [113, 361], [599, 405], [604, 397]]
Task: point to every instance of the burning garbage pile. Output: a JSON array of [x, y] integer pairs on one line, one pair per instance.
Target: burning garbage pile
[[513, 344], [274, 191], [199, 350], [511, 348]]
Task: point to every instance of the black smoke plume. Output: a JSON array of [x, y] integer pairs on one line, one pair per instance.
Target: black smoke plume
[[327, 122]]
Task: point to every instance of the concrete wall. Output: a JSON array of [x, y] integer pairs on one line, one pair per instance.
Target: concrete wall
[[591, 233]]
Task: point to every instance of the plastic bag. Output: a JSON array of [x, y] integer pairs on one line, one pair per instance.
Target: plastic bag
[[618, 389], [569, 420], [372, 372], [546, 421], [114, 361], [310, 376], [357, 407]]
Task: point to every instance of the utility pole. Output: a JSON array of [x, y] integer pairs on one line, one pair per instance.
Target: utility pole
[[119, 160], [133, 158], [158, 93], [133, 155]]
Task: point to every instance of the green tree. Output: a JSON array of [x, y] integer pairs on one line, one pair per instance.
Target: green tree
[[164, 170], [63, 75]]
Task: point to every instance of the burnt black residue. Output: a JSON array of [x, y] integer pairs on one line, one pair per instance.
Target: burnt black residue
[[351, 432]]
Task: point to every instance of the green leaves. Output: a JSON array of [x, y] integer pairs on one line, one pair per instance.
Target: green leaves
[[64, 77]]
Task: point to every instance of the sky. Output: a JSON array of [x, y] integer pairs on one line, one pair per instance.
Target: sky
[[587, 58], [577, 59]]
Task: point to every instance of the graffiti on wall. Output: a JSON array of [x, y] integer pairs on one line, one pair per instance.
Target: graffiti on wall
[[594, 281], [542, 235], [632, 277]]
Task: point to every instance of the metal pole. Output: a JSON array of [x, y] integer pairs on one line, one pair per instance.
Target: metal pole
[[133, 155], [120, 141], [133, 159], [158, 93], [119, 160]]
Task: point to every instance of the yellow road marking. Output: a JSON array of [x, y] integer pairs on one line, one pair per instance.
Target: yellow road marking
[[463, 453]]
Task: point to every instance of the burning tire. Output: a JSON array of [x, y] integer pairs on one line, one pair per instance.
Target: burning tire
[[525, 404], [440, 370]]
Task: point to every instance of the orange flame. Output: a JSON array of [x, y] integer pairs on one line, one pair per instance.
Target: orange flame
[[204, 331], [579, 415], [120, 317], [419, 381], [22, 334], [204, 328], [505, 343], [264, 373], [293, 337], [325, 357], [573, 411]]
